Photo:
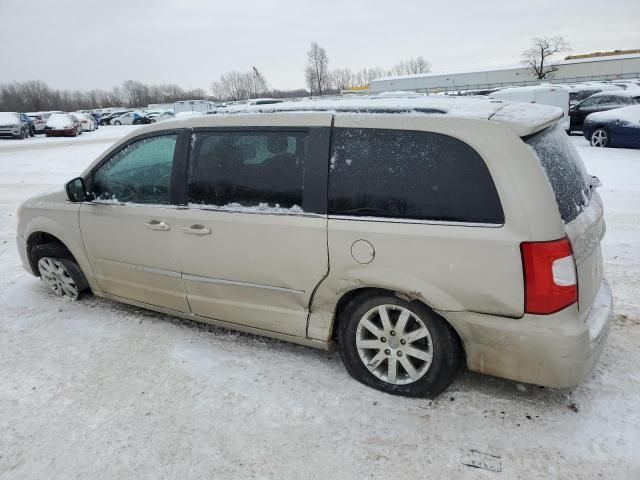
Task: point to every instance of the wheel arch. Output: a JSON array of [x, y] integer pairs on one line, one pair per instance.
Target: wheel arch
[[43, 238], [365, 292]]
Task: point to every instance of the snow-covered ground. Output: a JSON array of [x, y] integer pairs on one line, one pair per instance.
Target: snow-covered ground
[[96, 389]]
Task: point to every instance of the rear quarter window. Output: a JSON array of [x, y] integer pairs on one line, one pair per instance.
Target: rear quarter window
[[410, 175], [565, 171]]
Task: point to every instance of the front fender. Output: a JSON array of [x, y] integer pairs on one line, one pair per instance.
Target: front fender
[[59, 219]]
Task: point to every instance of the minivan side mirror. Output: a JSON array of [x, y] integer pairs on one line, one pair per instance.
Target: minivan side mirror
[[77, 190]]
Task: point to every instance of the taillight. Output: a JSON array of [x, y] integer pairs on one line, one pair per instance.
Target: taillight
[[550, 282]]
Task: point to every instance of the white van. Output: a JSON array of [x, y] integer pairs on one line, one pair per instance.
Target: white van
[[543, 94]]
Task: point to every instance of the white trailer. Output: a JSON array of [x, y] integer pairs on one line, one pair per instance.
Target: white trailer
[[200, 106]]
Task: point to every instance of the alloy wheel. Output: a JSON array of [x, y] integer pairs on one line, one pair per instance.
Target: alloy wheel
[[599, 138], [56, 276], [394, 344]]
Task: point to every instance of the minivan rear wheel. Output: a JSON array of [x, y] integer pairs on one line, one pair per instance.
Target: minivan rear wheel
[[398, 347]]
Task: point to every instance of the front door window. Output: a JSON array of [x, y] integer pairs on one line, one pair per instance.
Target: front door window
[[139, 173]]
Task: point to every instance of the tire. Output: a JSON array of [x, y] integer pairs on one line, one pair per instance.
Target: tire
[[32, 132], [600, 138], [22, 135], [117, 122], [68, 279], [440, 349]]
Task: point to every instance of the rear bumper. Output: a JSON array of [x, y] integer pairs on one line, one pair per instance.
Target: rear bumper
[[557, 350], [69, 132]]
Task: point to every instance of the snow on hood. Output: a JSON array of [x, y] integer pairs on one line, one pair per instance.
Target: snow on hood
[[59, 120], [9, 118], [629, 114]]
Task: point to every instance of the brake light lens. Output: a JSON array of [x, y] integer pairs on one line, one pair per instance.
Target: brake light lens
[[550, 281]]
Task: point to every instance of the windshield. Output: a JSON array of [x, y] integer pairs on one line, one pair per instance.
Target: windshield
[[564, 168]]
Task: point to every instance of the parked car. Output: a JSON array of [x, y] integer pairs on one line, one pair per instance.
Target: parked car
[[614, 128], [581, 91], [63, 125], [106, 119], [159, 117], [129, 118], [14, 124], [39, 120], [415, 234], [24, 118], [601, 102], [87, 121]]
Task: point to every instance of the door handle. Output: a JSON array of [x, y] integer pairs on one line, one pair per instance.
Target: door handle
[[195, 229], [156, 225]]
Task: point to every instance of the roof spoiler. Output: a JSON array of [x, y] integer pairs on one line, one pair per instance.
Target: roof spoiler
[[527, 118]]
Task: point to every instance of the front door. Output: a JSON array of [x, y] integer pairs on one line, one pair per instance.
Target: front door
[[253, 241], [129, 230]]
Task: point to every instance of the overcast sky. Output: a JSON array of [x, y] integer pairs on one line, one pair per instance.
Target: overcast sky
[[98, 44]]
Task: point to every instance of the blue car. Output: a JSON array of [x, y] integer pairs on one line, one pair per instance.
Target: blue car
[[614, 128]]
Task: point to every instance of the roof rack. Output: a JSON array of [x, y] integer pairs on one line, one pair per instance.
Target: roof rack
[[333, 108]]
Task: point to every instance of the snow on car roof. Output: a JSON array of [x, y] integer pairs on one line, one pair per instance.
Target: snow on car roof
[[632, 92], [524, 119], [629, 114], [59, 120]]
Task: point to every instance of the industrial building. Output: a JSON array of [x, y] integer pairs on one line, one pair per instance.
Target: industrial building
[[596, 68]]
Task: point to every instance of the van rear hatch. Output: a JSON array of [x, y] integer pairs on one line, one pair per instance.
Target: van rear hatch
[[579, 205]]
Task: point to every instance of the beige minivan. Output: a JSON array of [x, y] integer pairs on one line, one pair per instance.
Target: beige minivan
[[415, 234]]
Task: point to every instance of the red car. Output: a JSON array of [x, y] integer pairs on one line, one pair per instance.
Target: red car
[[63, 125]]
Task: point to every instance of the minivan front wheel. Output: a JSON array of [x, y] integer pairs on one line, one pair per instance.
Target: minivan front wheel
[[58, 271], [398, 347], [600, 138]]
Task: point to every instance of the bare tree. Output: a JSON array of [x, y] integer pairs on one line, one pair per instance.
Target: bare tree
[[256, 83], [363, 76], [538, 57], [136, 93], [317, 73], [343, 78], [236, 85], [411, 66]]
